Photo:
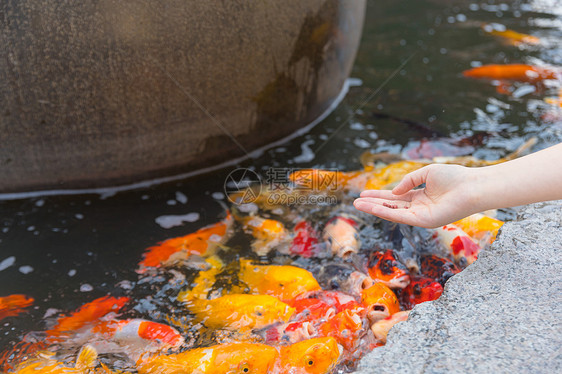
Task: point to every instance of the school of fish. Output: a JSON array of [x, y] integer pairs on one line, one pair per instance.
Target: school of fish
[[305, 294]]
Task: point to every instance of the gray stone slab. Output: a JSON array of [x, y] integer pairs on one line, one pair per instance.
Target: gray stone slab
[[500, 315]]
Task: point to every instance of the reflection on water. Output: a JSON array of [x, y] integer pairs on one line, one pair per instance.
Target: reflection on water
[[67, 250]]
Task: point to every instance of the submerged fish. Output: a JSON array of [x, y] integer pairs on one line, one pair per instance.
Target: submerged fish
[[312, 356], [305, 242], [381, 328], [341, 235], [46, 363], [203, 242], [480, 227], [380, 302], [268, 233], [456, 242], [420, 290], [88, 313], [512, 72], [438, 268], [283, 282], [239, 311], [510, 36], [385, 267], [13, 305], [219, 359]]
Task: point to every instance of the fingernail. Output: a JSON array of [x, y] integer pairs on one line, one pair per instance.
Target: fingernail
[[361, 205]]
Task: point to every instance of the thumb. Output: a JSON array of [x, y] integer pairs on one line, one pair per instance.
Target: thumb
[[411, 180]]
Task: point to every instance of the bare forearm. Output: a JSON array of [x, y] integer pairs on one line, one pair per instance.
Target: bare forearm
[[529, 179]]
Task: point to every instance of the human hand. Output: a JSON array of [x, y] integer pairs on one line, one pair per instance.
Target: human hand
[[449, 195]]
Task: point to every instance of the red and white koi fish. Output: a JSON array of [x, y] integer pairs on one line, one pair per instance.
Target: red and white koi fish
[[458, 244]]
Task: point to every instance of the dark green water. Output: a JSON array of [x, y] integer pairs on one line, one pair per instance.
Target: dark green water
[[71, 249]]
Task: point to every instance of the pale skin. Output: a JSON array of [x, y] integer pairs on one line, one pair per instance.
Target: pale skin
[[453, 192]]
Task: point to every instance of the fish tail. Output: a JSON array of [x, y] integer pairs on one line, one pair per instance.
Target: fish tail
[[14, 304], [88, 313], [86, 357], [20, 352]]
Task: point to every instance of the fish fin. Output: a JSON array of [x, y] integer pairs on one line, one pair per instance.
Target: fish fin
[[21, 351], [87, 313], [86, 357]]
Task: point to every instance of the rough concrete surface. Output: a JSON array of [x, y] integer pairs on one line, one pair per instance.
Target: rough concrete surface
[[500, 315]]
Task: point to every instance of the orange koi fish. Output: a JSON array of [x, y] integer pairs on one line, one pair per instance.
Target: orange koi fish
[[384, 267], [268, 233], [512, 72], [438, 268], [219, 359], [341, 235], [203, 242], [46, 363], [345, 327], [457, 243], [381, 328], [13, 305], [239, 311], [312, 356], [380, 302], [87, 314], [480, 227], [512, 37], [420, 290], [283, 282]]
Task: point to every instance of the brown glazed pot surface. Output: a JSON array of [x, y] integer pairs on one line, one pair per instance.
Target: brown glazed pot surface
[[99, 93]]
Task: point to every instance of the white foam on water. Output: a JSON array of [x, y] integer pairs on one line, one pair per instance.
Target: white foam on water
[[307, 153], [26, 269], [181, 197], [7, 262], [167, 222], [105, 192]]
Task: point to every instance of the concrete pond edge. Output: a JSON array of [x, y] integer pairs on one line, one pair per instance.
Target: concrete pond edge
[[500, 315]]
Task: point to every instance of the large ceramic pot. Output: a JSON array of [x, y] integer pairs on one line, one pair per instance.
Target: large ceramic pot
[[106, 92]]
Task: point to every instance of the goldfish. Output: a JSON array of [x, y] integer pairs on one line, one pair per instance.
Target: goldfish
[[268, 233], [345, 327], [312, 356], [381, 328], [512, 72], [420, 290], [47, 364], [203, 242], [512, 37], [305, 242], [292, 332], [458, 244], [480, 227], [13, 305], [227, 358], [238, 311], [283, 282], [380, 302], [438, 268], [341, 235], [385, 268]]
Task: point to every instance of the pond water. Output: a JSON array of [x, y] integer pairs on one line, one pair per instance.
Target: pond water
[[407, 87]]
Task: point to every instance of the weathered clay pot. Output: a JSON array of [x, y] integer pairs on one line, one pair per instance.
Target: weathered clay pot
[[98, 93]]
